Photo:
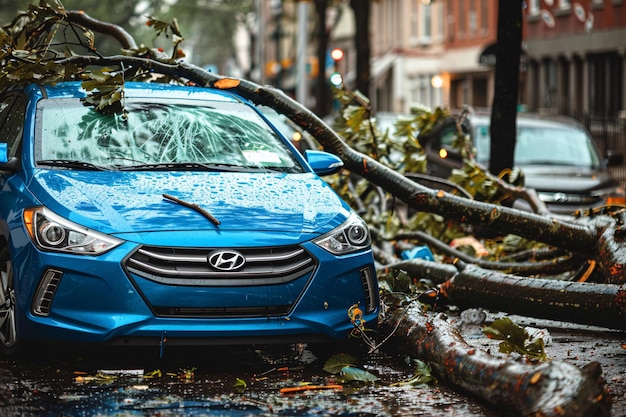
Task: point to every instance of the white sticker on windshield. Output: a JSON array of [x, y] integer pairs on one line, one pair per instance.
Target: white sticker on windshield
[[260, 157]]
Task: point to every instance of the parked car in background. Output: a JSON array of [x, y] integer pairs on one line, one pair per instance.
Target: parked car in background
[[187, 219], [557, 156]]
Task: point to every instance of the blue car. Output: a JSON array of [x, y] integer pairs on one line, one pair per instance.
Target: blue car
[[186, 218]]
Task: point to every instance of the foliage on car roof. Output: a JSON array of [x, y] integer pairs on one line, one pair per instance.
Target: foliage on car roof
[[37, 47]]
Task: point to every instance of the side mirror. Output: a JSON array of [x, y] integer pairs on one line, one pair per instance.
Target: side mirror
[[613, 158], [6, 163], [323, 163], [4, 153]]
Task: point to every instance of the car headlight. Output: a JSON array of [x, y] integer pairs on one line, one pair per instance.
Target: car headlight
[[353, 235], [50, 232]]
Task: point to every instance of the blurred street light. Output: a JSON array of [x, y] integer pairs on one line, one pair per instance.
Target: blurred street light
[[436, 81]]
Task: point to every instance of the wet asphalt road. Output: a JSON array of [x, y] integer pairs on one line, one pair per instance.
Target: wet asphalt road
[[247, 380]]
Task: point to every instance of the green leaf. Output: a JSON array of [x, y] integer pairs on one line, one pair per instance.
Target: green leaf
[[349, 373], [421, 375], [515, 339], [336, 363], [240, 384], [505, 329]]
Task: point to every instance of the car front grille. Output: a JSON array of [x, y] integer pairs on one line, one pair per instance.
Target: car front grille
[[191, 267], [222, 312]]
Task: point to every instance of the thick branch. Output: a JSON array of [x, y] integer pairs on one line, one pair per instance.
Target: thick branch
[[560, 262], [106, 28], [596, 304], [577, 302], [547, 389]]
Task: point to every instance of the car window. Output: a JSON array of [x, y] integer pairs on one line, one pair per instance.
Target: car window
[[448, 136], [158, 133], [544, 145], [554, 146], [12, 113]]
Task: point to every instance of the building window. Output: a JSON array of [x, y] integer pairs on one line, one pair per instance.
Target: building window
[[427, 26], [421, 90], [462, 18], [565, 4], [550, 84], [414, 23], [472, 24], [440, 22], [484, 17], [533, 7], [605, 83]]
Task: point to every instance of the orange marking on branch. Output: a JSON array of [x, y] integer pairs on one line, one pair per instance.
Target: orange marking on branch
[[225, 83], [535, 378]]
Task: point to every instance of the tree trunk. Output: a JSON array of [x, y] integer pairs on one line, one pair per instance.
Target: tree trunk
[[362, 11], [504, 108], [545, 389], [322, 88]]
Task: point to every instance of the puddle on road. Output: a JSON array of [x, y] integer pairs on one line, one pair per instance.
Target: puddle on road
[[228, 381]]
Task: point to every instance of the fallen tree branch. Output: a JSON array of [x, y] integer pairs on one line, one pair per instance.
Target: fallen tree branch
[[469, 286], [560, 262], [545, 389], [595, 304]]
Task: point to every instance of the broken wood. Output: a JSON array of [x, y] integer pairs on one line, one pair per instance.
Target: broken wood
[[544, 389], [467, 286], [594, 304]]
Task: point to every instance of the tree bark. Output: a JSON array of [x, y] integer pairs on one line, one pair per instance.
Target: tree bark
[[362, 11], [469, 286], [322, 89], [546, 389], [503, 129]]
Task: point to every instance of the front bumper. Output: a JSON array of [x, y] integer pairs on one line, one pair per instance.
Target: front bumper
[[97, 300]]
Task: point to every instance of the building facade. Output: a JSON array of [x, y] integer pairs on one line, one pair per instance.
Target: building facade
[[429, 53], [576, 54]]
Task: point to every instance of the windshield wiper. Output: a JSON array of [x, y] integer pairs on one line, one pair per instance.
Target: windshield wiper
[[191, 166], [549, 162], [68, 163], [194, 207]]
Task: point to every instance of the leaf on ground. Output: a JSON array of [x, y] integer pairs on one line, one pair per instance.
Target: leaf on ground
[[350, 373], [515, 339], [421, 375], [336, 363], [240, 385]]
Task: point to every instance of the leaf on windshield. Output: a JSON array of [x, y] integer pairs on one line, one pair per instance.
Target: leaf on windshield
[[515, 339]]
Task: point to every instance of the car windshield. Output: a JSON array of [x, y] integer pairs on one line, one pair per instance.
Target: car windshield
[[538, 145], [151, 134]]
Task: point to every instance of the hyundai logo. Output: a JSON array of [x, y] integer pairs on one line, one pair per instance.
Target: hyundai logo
[[226, 260]]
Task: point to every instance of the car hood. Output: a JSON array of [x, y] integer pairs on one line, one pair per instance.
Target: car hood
[[129, 201], [566, 179]]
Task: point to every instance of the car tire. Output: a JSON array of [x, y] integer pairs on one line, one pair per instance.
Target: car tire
[[8, 313]]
